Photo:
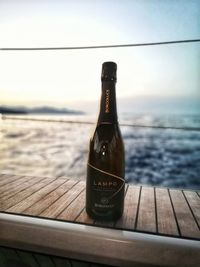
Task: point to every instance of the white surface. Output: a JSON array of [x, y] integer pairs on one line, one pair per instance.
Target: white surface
[[96, 244]]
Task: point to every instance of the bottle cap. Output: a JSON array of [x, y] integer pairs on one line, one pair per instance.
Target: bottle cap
[[109, 70]]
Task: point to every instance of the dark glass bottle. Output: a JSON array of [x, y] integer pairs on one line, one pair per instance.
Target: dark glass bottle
[[105, 170]]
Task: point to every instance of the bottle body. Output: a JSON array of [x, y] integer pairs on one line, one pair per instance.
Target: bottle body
[[105, 170]]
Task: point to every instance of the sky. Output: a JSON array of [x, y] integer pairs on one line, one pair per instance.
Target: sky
[[70, 77]]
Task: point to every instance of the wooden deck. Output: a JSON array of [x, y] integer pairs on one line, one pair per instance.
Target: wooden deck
[[161, 212]]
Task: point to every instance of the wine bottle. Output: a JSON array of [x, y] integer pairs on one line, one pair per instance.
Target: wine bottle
[[105, 168]]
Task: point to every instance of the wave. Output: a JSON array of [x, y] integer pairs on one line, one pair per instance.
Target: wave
[[153, 156]]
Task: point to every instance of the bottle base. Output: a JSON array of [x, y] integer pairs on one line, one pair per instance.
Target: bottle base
[[104, 216]]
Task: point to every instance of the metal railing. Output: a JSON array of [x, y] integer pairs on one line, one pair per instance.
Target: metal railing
[[9, 117], [98, 46]]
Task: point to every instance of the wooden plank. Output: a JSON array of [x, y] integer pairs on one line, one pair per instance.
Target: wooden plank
[[27, 259], [84, 218], [26, 203], [4, 176], [44, 260], [74, 209], [19, 186], [127, 221], [165, 215], [10, 255], [4, 205], [63, 202], [10, 179], [194, 203], [174, 213], [39, 206], [186, 222], [7, 176], [60, 262], [75, 263], [12, 184], [146, 215], [3, 260]]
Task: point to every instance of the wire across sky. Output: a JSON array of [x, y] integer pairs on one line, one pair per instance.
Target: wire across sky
[[99, 46]]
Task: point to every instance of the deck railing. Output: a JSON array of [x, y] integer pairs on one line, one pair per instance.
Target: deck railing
[[8, 117]]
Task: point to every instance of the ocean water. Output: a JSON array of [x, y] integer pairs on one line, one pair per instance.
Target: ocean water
[[158, 157]]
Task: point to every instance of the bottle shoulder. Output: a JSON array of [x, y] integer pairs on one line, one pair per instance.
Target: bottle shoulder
[[108, 127], [107, 131]]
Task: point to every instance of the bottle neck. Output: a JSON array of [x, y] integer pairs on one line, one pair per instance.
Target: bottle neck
[[108, 107]]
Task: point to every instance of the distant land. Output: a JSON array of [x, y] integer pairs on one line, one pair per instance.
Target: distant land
[[37, 110]]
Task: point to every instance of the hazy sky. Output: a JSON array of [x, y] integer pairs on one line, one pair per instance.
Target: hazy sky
[[62, 77]]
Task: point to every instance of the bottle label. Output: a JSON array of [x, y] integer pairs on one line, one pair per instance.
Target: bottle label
[[106, 189], [108, 109]]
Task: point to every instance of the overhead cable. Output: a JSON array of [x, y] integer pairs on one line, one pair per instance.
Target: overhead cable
[[98, 46]]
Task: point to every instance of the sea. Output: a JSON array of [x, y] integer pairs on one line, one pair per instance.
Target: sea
[[166, 153]]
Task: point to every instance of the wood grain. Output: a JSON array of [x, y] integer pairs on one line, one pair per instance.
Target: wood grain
[[49, 198], [165, 215], [170, 212], [13, 184], [194, 202], [84, 218], [146, 215], [130, 208], [6, 179], [63, 202], [74, 209], [30, 200], [5, 204], [19, 186], [186, 222]]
